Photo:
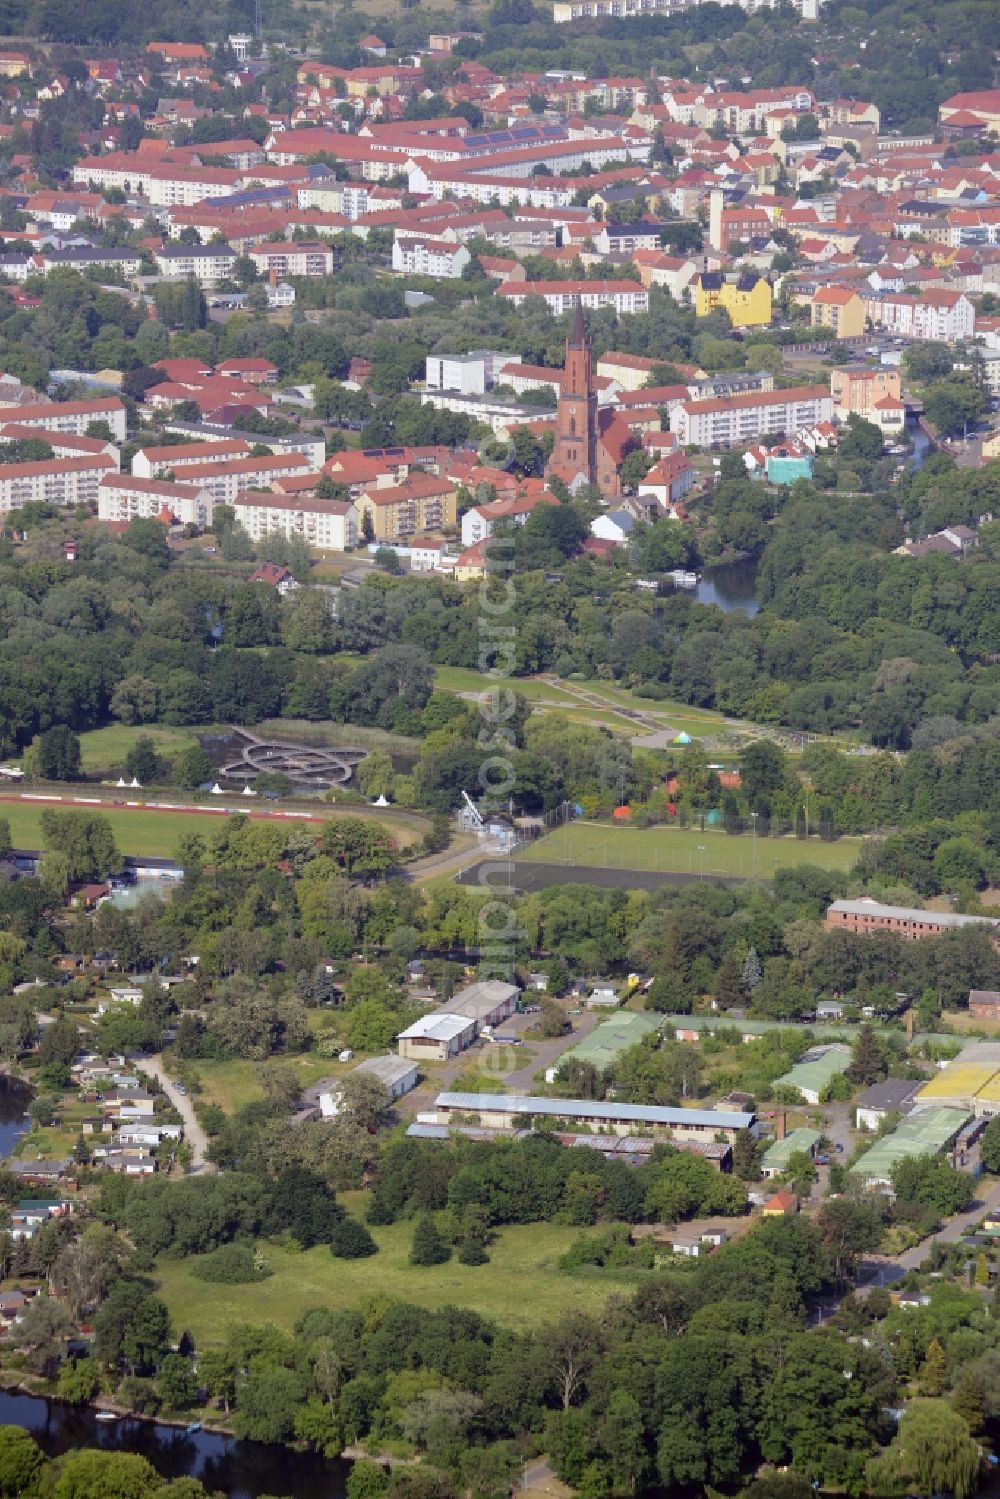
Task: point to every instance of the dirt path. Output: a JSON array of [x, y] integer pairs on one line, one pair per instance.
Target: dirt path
[[194, 1134]]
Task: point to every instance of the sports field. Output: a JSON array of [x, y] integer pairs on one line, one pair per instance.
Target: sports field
[[684, 851], [520, 1287], [154, 833]]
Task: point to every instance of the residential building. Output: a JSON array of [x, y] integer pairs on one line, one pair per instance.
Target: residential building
[[935, 314], [226, 479], [440, 258], [743, 418], [326, 525], [422, 503], [478, 521], [626, 297], [840, 309], [858, 392], [148, 463], [69, 416], [127, 497], [53, 481], [206, 263], [669, 480], [746, 297], [470, 374], [984, 1004], [285, 258]]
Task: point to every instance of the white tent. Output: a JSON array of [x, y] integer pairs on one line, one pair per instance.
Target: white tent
[[216, 790], [247, 791], [380, 801]]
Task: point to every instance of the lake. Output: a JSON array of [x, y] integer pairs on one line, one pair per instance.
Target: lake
[[242, 1470], [732, 587]]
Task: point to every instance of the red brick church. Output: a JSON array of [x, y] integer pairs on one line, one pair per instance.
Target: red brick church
[[591, 441]]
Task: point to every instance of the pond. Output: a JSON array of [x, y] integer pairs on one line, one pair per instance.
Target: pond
[[241, 1470], [732, 587]]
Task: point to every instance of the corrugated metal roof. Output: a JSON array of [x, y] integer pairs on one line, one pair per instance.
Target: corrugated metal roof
[[907, 913], [499, 1103], [798, 1139]]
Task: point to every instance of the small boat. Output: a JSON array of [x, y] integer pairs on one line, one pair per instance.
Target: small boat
[[189, 1431], [105, 1416]]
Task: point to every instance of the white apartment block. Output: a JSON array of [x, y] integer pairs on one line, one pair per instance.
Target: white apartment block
[[938, 315], [225, 481], [626, 10], [626, 297], [429, 257], [69, 416], [742, 419], [53, 481], [125, 497], [206, 263], [327, 525], [470, 374], [348, 198], [150, 463], [286, 259]]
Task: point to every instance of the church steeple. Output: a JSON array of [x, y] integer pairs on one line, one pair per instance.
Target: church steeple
[[575, 448], [578, 334]]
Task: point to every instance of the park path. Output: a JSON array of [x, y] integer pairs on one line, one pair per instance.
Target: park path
[[194, 1134]]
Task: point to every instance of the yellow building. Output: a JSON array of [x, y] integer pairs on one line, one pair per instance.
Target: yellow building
[[14, 64], [747, 299], [839, 309], [421, 504]]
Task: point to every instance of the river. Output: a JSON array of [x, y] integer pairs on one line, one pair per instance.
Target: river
[[242, 1470], [14, 1121]]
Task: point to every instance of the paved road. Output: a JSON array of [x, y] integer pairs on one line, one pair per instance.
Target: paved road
[[194, 1134]]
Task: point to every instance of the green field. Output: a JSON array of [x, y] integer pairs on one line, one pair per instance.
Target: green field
[[684, 850], [521, 1286], [233, 1083], [106, 749], [153, 833]]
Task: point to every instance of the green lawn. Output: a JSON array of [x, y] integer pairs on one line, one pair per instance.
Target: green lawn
[[231, 1084], [684, 850], [521, 1286], [106, 749], [155, 833]]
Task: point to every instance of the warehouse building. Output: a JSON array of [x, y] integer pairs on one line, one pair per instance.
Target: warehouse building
[[500, 1111], [815, 1071], [436, 1037], [865, 917], [397, 1074], [608, 1041], [924, 1132], [777, 1156]]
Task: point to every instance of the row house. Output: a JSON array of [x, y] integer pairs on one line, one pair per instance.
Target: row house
[[742, 419], [487, 188], [69, 416], [52, 481], [327, 525], [126, 497], [668, 481], [626, 297], [478, 521]]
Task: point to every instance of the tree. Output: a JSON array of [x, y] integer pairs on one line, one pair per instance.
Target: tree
[[731, 991], [21, 1462], [105, 1475], [849, 1230], [351, 1240], [192, 768], [143, 763], [932, 1453], [55, 755], [43, 1333], [934, 1374], [868, 1064], [428, 1246], [989, 1148], [752, 970], [573, 1347], [267, 1402], [375, 776], [362, 848], [78, 1381], [85, 839]]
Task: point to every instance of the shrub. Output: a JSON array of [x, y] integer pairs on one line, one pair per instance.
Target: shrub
[[231, 1265], [351, 1240]]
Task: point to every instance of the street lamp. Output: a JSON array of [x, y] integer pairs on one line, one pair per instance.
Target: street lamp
[[701, 850]]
